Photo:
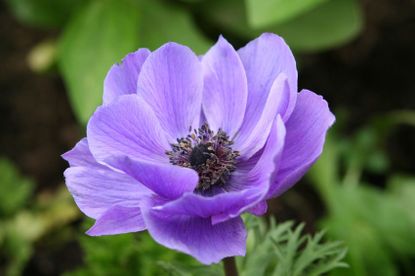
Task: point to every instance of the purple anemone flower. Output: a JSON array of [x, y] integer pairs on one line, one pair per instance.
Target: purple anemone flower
[[183, 145]]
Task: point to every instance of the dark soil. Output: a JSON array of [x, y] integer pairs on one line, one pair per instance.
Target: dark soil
[[371, 75]]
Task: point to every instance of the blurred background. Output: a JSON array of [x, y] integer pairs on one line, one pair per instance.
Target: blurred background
[[358, 54]]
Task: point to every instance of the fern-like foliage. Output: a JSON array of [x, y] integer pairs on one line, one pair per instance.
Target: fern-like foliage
[[282, 250]]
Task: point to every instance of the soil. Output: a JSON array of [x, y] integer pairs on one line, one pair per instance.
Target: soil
[[369, 76]]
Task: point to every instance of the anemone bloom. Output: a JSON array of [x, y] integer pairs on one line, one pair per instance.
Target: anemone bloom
[[183, 145]]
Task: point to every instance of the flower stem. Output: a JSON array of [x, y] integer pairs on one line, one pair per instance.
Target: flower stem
[[229, 265]]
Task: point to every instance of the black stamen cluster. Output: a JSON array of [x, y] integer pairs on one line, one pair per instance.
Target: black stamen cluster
[[209, 154]]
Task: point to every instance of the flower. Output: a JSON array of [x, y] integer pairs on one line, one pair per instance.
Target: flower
[[183, 145]]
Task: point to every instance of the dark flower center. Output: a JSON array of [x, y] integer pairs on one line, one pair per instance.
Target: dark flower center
[[208, 153], [200, 154]]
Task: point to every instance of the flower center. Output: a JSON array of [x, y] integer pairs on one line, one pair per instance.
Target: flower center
[[208, 153]]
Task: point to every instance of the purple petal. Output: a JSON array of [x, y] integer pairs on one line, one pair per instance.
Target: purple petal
[[122, 78], [126, 127], [264, 59], [80, 155], [197, 236], [250, 140], [259, 177], [97, 188], [225, 88], [118, 220], [168, 181], [247, 190], [306, 132], [271, 155], [171, 82], [259, 209], [234, 202]]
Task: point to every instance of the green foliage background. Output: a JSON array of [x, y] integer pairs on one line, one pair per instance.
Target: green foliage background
[[374, 228]]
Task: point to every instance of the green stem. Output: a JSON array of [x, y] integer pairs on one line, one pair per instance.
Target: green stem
[[229, 265]]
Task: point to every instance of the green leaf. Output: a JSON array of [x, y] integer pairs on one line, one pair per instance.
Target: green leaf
[[363, 218], [15, 190], [403, 188], [96, 38], [162, 22], [45, 13], [262, 13], [328, 25]]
